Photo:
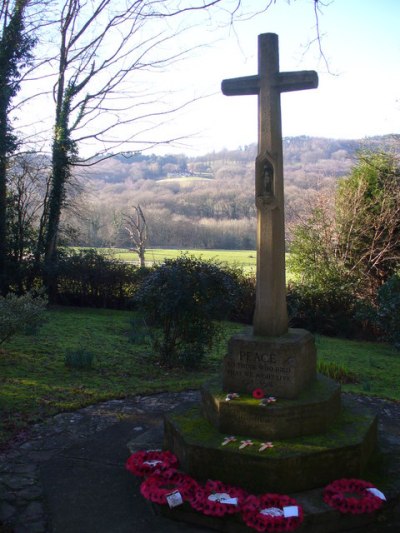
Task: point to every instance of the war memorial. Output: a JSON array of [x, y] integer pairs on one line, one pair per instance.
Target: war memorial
[[271, 423]]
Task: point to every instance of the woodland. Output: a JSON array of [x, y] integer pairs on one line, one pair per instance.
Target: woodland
[[203, 202]]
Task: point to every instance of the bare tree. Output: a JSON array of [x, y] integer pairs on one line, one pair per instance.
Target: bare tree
[[102, 45], [136, 226], [28, 185]]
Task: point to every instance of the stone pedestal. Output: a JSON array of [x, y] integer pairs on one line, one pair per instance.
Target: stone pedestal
[[311, 413], [282, 366], [316, 439], [296, 464]]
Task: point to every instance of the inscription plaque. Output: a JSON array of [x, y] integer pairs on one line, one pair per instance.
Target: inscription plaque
[[282, 366]]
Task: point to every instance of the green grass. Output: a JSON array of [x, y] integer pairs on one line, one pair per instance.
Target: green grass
[[35, 383], [184, 181], [375, 365], [245, 258]]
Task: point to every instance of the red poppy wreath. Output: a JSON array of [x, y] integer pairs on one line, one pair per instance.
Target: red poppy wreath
[[157, 487], [270, 512], [218, 499], [352, 496], [144, 463]]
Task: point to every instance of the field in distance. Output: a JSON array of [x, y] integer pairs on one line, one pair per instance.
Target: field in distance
[[242, 258]]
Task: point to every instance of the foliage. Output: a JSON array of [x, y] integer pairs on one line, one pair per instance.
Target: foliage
[[341, 255], [80, 358], [329, 310], [15, 53], [313, 258], [336, 372], [245, 283], [183, 297], [368, 221], [18, 313], [89, 278], [388, 310]]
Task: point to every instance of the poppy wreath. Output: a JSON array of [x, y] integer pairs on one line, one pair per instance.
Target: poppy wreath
[[265, 513], [337, 495], [145, 463], [206, 500], [157, 487]]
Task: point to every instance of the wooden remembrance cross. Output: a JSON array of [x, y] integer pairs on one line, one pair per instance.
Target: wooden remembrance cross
[[270, 317]]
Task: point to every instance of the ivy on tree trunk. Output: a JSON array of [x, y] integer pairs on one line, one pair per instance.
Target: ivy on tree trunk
[[15, 48]]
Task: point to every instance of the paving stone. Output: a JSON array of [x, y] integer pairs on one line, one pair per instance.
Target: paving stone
[[34, 527], [32, 493], [7, 511], [32, 512], [16, 482]]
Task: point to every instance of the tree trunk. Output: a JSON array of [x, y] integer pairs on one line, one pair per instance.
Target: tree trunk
[[14, 49], [3, 223], [60, 175], [141, 257]]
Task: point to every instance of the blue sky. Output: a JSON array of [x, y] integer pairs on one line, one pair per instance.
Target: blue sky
[[358, 97], [359, 86]]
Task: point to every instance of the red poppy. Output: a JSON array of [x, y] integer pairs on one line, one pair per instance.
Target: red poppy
[[258, 394]]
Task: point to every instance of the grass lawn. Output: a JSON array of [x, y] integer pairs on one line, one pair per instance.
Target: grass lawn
[[35, 383], [245, 258]]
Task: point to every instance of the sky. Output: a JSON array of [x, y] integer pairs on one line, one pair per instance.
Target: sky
[[359, 79], [359, 76]]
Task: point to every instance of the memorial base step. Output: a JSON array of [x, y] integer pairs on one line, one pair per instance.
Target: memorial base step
[[313, 411], [292, 465]]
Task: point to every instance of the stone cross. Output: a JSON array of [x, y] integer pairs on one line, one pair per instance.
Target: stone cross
[[270, 317]]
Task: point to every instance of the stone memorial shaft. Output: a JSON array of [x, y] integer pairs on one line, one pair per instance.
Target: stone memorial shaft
[[299, 404], [270, 317]]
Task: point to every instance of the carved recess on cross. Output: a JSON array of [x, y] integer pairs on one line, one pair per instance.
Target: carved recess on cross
[[265, 182]]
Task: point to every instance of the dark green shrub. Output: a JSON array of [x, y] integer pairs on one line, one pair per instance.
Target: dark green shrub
[[20, 314], [243, 310], [88, 278], [80, 358], [388, 310], [182, 299], [326, 310]]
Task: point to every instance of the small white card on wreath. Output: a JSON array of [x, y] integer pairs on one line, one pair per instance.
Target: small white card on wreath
[[377, 493], [291, 511], [174, 499]]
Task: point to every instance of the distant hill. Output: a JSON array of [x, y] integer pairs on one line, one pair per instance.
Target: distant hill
[[208, 201], [310, 157]]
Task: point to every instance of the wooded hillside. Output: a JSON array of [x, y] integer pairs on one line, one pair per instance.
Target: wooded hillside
[[206, 201]]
